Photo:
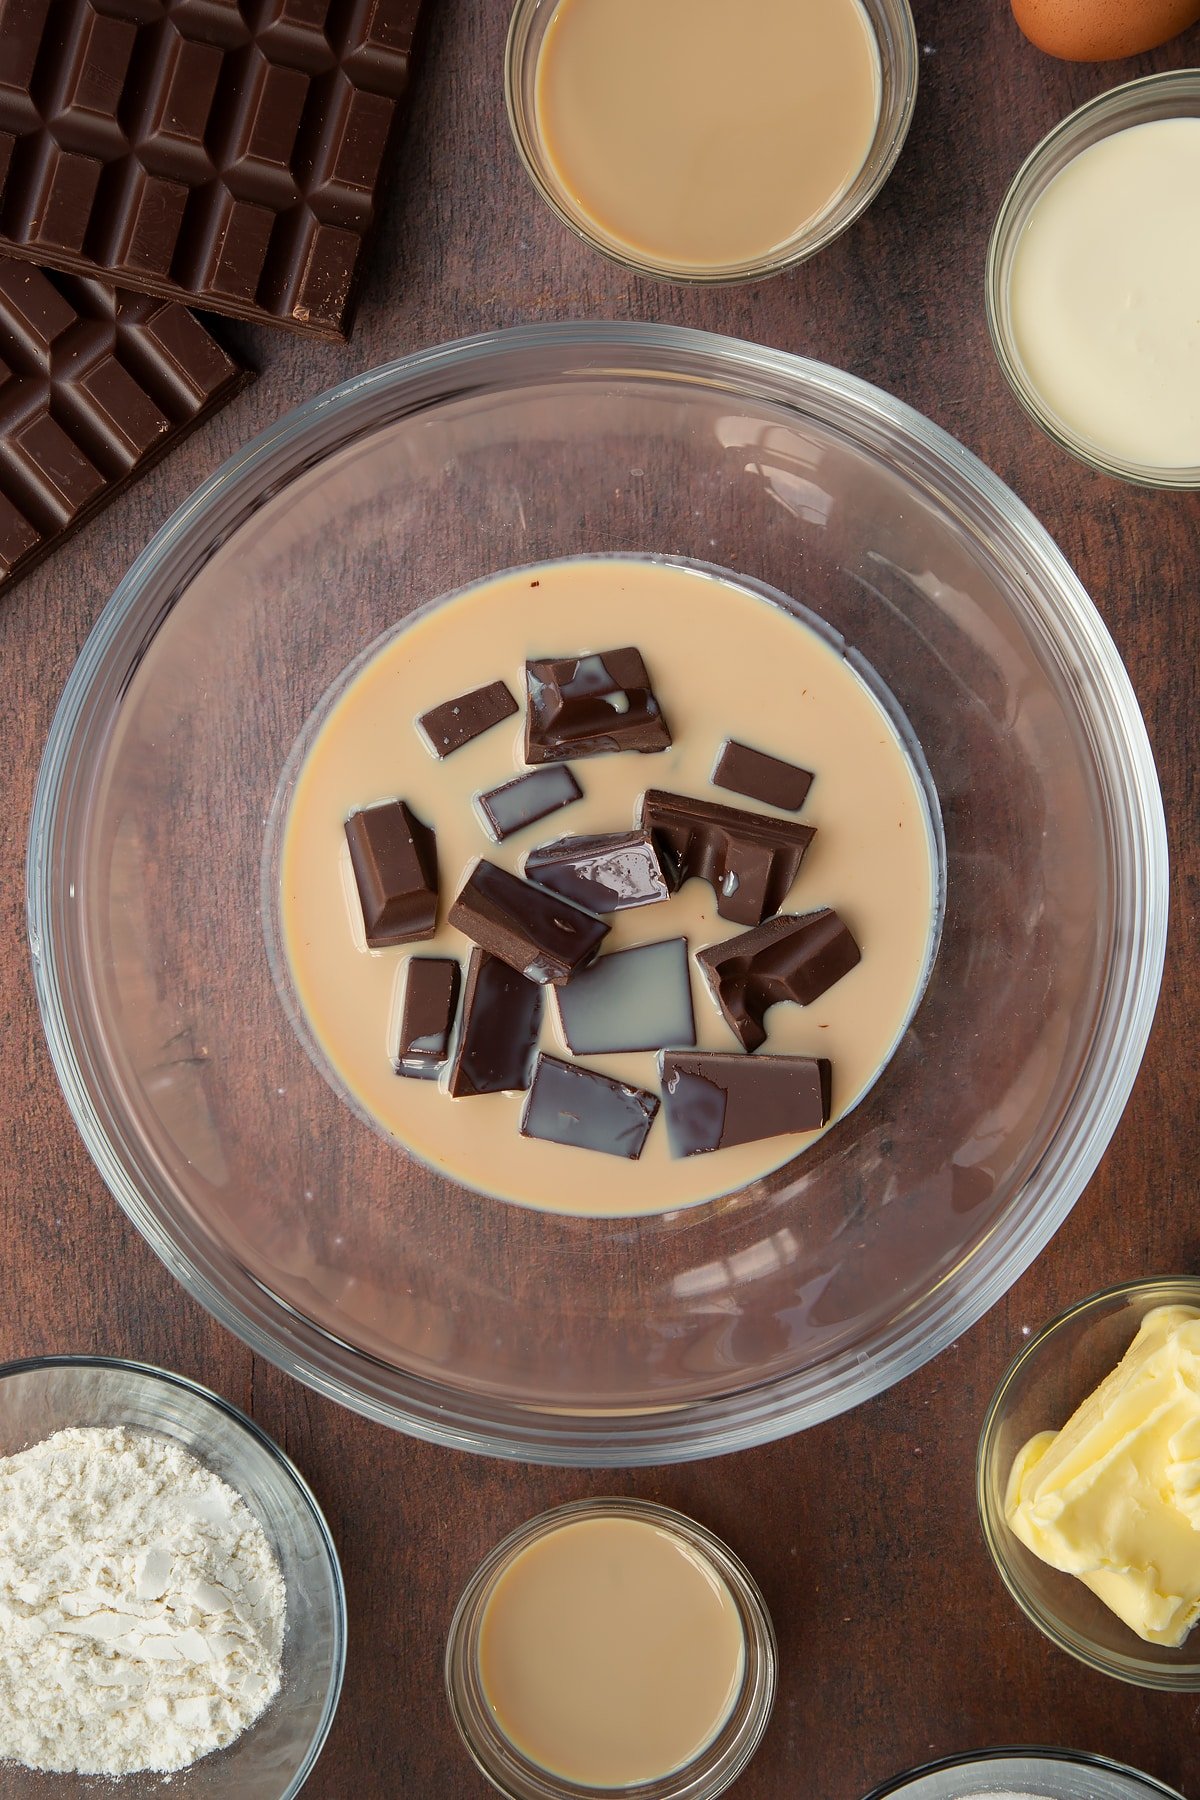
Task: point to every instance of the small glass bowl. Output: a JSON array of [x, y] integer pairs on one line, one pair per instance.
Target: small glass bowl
[[1173, 95], [514, 1775], [895, 35], [274, 1758], [1029, 1771], [1055, 1371]]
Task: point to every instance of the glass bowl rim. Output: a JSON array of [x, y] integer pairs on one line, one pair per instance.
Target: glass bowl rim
[[1029, 182], [962, 484], [1047, 1753], [1161, 1678], [122, 1365]]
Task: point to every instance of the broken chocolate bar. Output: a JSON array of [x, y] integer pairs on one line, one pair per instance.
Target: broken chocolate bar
[[395, 867], [534, 932], [430, 1002], [446, 728], [571, 1105], [527, 799], [591, 706], [795, 957], [639, 999], [603, 874], [712, 1101], [749, 859], [501, 1017], [761, 777]]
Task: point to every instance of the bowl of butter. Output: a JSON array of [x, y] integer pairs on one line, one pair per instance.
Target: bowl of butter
[[1088, 1481]]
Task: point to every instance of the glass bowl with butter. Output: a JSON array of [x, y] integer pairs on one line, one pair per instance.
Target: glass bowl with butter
[[1088, 1481]]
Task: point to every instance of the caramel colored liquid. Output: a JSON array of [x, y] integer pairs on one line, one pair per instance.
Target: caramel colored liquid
[[611, 1652], [724, 662], [706, 133]]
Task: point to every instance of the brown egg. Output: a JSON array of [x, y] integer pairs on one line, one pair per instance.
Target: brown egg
[[1099, 30]]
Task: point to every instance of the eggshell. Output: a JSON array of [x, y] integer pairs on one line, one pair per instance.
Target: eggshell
[[1100, 30]]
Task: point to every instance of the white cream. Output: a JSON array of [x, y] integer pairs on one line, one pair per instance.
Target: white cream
[[1105, 295]]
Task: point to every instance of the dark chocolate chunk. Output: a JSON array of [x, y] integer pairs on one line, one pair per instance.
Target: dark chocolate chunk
[[395, 867], [229, 155], [534, 932], [531, 797], [430, 1003], [638, 999], [446, 728], [591, 706], [761, 777], [94, 387], [572, 1105], [501, 1017], [712, 1101], [796, 957], [603, 874], [749, 859]]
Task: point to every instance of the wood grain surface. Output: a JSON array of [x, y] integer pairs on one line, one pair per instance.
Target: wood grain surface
[[897, 1641]]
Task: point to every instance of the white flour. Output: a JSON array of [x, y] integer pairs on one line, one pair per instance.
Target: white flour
[[141, 1607]]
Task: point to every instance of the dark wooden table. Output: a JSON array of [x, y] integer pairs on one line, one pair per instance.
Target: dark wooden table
[[897, 1640]]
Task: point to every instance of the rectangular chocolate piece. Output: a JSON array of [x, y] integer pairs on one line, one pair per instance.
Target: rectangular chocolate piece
[[430, 1002], [94, 387], [229, 155], [531, 797], [638, 999], [712, 1101], [749, 859], [395, 867], [571, 1105], [592, 705], [761, 777], [446, 728], [501, 1018], [796, 957], [534, 932], [603, 874]]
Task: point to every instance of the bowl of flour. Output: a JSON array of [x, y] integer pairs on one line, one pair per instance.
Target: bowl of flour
[[171, 1604]]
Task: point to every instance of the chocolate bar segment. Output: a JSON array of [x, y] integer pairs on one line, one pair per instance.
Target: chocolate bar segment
[[534, 932], [531, 797], [94, 387], [430, 1002], [796, 957], [394, 857], [749, 859], [571, 1105], [712, 1101], [592, 705], [761, 777], [638, 999], [446, 728], [501, 1018], [603, 874], [230, 155]]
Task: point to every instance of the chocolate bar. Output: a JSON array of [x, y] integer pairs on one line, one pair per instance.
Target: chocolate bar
[[446, 728], [749, 859], [571, 1105], [638, 999], [427, 1019], [229, 155], [94, 387], [534, 932], [761, 777], [591, 706], [395, 867], [602, 874], [795, 957], [531, 797], [501, 1017], [712, 1101]]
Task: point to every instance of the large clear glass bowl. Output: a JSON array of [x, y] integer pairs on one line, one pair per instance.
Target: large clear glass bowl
[[1022, 1774], [479, 1323]]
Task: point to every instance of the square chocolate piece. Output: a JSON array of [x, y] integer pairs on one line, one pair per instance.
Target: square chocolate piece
[[394, 858], [571, 1105], [592, 705]]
